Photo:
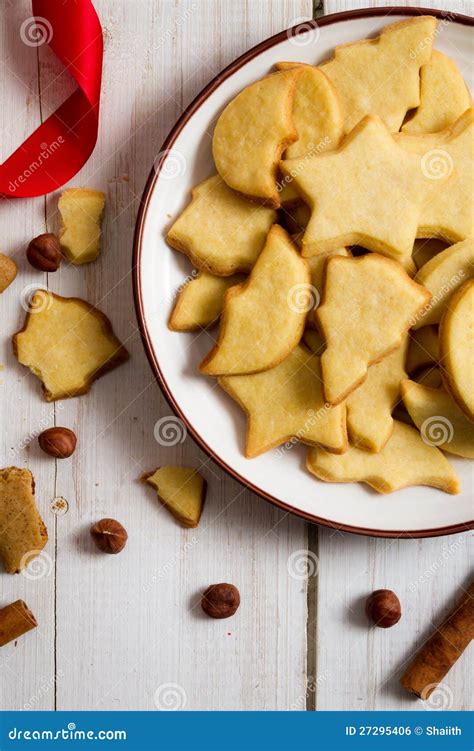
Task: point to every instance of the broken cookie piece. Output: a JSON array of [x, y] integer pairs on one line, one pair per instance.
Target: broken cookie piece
[[22, 531], [7, 272], [67, 344], [182, 490], [81, 212]]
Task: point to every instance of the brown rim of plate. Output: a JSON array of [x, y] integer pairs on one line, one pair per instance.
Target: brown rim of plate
[[137, 247]]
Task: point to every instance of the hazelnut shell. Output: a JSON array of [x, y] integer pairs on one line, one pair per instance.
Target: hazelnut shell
[[220, 600]]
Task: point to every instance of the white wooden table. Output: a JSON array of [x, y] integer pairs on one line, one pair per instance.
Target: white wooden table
[[114, 631]]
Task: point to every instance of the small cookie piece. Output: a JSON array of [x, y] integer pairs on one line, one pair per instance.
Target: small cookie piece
[[369, 407], [443, 275], [456, 335], [23, 534], [263, 319], [367, 308], [181, 490], [425, 249], [381, 76], [81, 212], [287, 402], [422, 349], [8, 272], [444, 96], [438, 418], [445, 159], [251, 134], [200, 301], [219, 230], [405, 460], [358, 193], [67, 344]]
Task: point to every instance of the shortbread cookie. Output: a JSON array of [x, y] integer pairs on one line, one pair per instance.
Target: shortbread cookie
[[369, 407], [367, 308], [287, 402], [438, 418], [359, 192], [22, 531], [422, 348], [444, 96], [405, 460], [443, 275], [424, 249], [67, 344], [81, 212], [219, 230], [446, 159], [200, 301], [181, 490], [251, 134], [381, 76], [317, 265], [8, 271], [456, 336], [263, 319]]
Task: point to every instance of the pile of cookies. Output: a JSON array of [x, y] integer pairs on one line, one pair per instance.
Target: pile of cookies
[[335, 244]]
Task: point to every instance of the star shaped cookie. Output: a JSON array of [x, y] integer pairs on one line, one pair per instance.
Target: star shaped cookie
[[368, 192], [287, 402]]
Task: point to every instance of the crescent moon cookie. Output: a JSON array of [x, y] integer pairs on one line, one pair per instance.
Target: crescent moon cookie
[[252, 133], [456, 336], [405, 460], [359, 192], [446, 159], [443, 275], [286, 403], [369, 407], [438, 418], [444, 96], [381, 76], [200, 301], [368, 306], [67, 344], [263, 319], [219, 230]]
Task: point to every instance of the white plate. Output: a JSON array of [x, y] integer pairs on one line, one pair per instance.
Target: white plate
[[210, 415]]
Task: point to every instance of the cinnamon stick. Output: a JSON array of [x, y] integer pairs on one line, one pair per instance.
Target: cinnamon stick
[[443, 648], [15, 620]]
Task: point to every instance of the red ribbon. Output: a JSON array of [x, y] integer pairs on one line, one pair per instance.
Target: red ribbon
[[60, 146]]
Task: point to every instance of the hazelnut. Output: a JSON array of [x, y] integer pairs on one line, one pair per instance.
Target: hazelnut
[[44, 252], [58, 442], [220, 600], [109, 536], [383, 608]]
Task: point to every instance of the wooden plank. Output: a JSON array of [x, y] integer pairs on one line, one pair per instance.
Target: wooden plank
[[358, 667], [127, 626], [27, 667]]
